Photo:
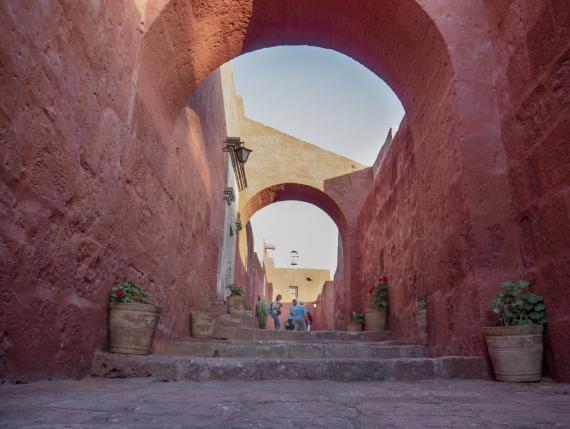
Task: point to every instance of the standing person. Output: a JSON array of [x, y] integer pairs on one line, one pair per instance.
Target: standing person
[[309, 320], [276, 312], [300, 317], [290, 319]]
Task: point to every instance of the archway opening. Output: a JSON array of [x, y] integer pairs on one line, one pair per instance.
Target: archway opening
[[299, 245]]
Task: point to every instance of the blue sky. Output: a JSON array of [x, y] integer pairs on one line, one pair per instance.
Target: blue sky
[[327, 99]]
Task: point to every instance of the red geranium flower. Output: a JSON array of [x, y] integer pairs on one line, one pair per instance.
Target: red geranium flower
[[383, 279], [120, 293], [371, 290]]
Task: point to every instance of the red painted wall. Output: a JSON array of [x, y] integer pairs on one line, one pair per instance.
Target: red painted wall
[[532, 54], [105, 176], [85, 199]]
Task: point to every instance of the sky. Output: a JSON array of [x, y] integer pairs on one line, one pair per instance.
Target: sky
[[327, 99]]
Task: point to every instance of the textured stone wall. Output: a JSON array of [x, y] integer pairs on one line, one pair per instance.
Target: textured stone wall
[[532, 54], [89, 195], [414, 230]]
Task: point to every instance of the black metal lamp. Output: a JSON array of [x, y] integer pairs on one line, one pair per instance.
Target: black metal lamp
[[242, 153]]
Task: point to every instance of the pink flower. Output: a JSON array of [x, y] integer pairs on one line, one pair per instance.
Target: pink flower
[[120, 293]]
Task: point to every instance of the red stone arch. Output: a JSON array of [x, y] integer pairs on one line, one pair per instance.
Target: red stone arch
[[294, 192], [320, 199], [189, 39], [436, 56]]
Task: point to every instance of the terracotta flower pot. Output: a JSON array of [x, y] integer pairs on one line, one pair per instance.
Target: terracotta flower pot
[[354, 326], [132, 326], [375, 320], [516, 352], [202, 324], [236, 303]]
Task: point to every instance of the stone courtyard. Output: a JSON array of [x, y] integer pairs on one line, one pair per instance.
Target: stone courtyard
[[150, 403]]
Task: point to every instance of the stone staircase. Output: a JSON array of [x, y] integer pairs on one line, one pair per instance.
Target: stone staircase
[[253, 354]]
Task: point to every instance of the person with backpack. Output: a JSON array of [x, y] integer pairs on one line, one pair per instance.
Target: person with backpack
[[290, 325], [275, 312], [300, 317]]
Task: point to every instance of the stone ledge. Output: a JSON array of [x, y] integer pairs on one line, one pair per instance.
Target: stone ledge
[[250, 334], [288, 349], [209, 369]]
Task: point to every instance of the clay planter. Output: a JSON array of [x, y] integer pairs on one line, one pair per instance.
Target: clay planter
[[516, 352], [131, 327], [202, 324], [421, 323], [375, 320], [354, 326], [236, 303]]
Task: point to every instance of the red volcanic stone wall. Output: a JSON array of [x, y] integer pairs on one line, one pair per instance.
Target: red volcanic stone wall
[[323, 314], [413, 229], [251, 275], [532, 52], [85, 200]]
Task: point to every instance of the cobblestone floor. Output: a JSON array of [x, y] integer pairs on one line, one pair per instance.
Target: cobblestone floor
[[146, 403]]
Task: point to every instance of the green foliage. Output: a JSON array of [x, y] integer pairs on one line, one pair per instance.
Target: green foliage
[[261, 313], [515, 306], [379, 297], [235, 290], [128, 292], [358, 317], [422, 303]]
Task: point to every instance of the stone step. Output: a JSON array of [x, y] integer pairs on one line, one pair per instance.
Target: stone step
[[168, 368], [288, 349], [235, 333]]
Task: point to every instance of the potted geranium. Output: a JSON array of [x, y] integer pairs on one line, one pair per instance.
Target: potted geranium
[[132, 319], [515, 347], [236, 300], [202, 323], [378, 302], [356, 324]]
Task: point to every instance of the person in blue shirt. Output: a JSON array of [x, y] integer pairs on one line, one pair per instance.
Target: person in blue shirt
[[300, 317], [290, 318]]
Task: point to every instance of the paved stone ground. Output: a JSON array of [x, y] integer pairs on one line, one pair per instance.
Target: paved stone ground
[[147, 403]]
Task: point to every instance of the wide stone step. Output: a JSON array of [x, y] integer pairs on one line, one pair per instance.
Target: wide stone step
[[234, 333], [173, 368], [288, 349]]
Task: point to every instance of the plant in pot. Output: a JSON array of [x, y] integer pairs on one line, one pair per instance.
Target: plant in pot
[[515, 347], [236, 300], [132, 319], [356, 324], [377, 304], [261, 312], [202, 323]]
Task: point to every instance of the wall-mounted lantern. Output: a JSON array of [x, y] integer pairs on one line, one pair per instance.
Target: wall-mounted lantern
[[242, 153], [238, 155]]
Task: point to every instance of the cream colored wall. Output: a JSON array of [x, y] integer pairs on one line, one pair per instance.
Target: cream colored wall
[[280, 158], [282, 278], [233, 114]]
